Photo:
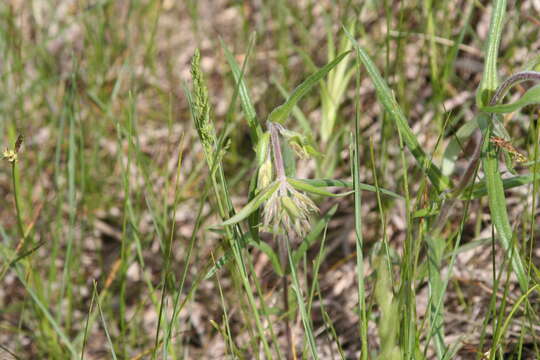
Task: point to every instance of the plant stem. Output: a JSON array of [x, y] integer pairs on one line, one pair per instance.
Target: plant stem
[[276, 150], [283, 257], [15, 180]]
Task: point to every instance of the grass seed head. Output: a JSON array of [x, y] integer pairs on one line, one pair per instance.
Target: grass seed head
[[289, 209], [201, 107]]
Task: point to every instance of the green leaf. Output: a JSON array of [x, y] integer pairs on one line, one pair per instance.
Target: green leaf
[[254, 217], [455, 146], [497, 208], [262, 148], [480, 189], [313, 235], [307, 187], [489, 82], [247, 104], [296, 111], [274, 259], [348, 184], [532, 96], [47, 315], [439, 181], [280, 113], [253, 205]]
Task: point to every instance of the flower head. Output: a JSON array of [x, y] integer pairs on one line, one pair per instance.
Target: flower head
[[9, 155], [288, 209]]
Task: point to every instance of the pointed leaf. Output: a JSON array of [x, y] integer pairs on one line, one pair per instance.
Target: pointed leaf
[[280, 113], [497, 208], [247, 104], [532, 96], [307, 187], [439, 181], [480, 189], [313, 235], [253, 205], [274, 259], [489, 81], [348, 184]]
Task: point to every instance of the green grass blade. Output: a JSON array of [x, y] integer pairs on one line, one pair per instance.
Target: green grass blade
[[313, 235], [359, 242], [391, 106], [499, 215], [512, 313], [296, 111], [480, 189], [489, 82], [532, 96], [253, 205], [306, 320], [245, 99], [307, 187], [348, 184], [280, 113], [109, 340], [61, 334]]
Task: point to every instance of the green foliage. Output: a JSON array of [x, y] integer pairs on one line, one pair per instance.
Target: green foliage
[[386, 97], [280, 113], [120, 230]]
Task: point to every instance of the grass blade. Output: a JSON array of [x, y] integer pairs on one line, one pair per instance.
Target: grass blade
[[532, 96], [391, 106], [280, 113], [253, 205], [61, 334], [489, 82], [307, 187], [497, 207], [306, 320], [247, 104], [348, 184]]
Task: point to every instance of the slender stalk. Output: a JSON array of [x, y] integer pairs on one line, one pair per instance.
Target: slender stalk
[[276, 150], [15, 181], [283, 256]]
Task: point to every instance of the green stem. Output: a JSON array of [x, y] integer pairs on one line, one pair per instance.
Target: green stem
[[15, 180]]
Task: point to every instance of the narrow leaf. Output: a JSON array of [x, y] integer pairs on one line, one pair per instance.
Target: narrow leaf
[[480, 189], [532, 96], [489, 82], [348, 184], [274, 259], [280, 113], [305, 186], [438, 180], [497, 208], [253, 205], [313, 235], [247, 104]]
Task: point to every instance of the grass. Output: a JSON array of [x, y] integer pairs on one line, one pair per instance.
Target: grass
[[274, 181]]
